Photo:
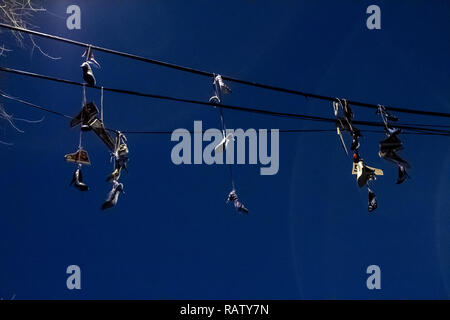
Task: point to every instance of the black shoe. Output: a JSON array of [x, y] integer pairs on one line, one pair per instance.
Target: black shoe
[[366, 175], [77, 181], [355, 143], [87, 114], [391, 143], [402, 174], [356, 134]]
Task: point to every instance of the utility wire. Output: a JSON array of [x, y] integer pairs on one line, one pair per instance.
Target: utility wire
[[29, 104], [32, 105], [35, 106], [210, 74], [210, 104], [292, 131]]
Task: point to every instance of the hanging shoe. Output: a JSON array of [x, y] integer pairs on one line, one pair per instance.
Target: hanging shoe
[[224, 89], [77, 181], [80, 157], [365, 175], [99, 129], [123, 151], [388, 150], [356, 134], [214, 99], [373, 204], [221, 147], [232, 197], [88, 74], [355, 143], [240, 207], [402, 174], [122, 156], [113, 195], [87, 114], [220, 88], [115, 175], [391, 143], [394, 157], [88, 54]]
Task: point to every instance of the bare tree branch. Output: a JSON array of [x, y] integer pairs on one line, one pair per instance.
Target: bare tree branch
[[19, 13]]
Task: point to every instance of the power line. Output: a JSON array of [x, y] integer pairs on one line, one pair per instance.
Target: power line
[[29, 104], [191, 131], [137, 132], [35, 106], [203, 131], [225, 106], [291, 131], [210, 74]]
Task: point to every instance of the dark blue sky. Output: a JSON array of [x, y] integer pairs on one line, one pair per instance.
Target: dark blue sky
[[172, 236]]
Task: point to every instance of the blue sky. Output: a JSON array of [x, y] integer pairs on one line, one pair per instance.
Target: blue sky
[[172, 236]]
